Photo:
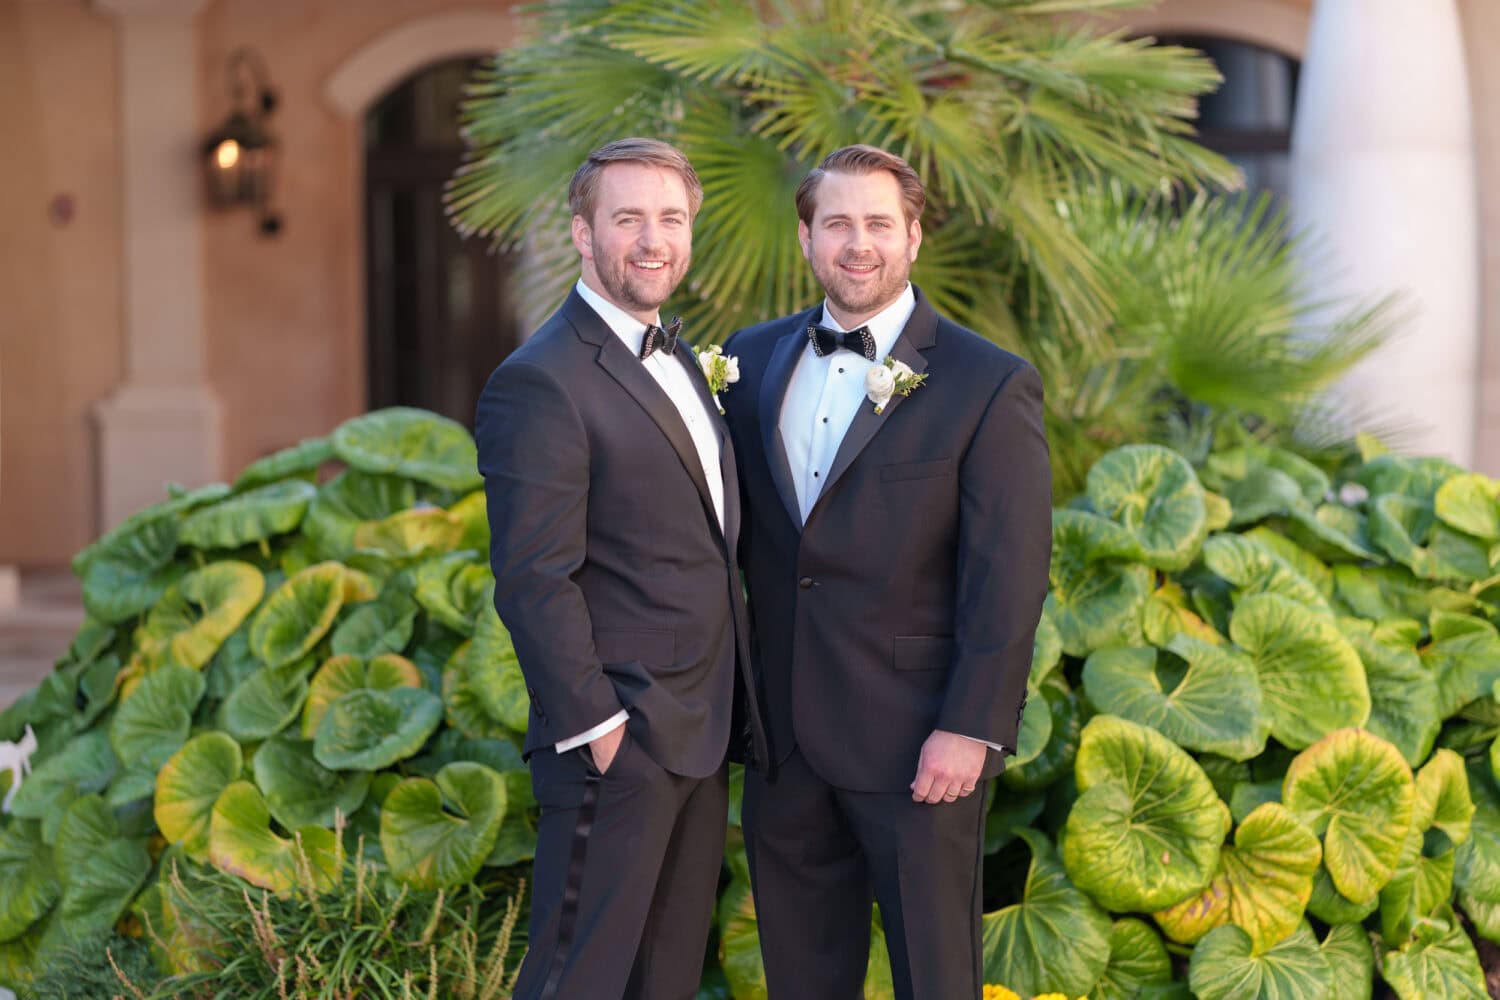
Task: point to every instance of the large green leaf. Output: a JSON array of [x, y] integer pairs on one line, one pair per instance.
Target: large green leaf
[[1478, 868], [455, 589], [298, 614], [1355, 791], [1471, 504], [1442, 813], [1417, 478], [198, 613], [409, 535], [348, 500], [1410, 533], [1137, 960], [1265, 882], [1403, 693], [1333, 532], [412, 443], [1352, 960], [1438, 961], [266, 703], [1223, 967], [1311, 680], [341, 674], [155, 718], [367, 730], [248, 517], [472, 512], [1333, 907], [1465, 656], [1153, 492], [494, 672], [301, 459], [1223, 469], [85, 765], [188, 786], [29, 885], [129, 569], [436, 834], [1201, 696], [1255, 568], [101, 870], [1095, 600], [241, 842], [384, 625], [1055, 758], [1379, 592], [1054, 938], [301, 792], [516, 841], [1146, 829]]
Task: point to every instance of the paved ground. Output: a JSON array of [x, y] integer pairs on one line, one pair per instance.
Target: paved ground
[[35, 634]]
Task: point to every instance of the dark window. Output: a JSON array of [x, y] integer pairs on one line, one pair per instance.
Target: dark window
[[1249, 118], [441, 314]]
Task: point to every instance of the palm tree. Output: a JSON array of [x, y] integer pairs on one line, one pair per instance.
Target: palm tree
[[1070, 215], [1003, 108]]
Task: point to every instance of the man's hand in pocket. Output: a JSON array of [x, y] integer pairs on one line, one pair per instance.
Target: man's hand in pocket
[[605, 747]]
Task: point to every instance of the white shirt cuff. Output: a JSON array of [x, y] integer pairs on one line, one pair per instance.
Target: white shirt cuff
[[608, 725], [998, 748]]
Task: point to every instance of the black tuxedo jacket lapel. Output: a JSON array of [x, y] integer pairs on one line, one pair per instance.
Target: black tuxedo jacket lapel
[[919, 334], [627, 370], [773, 388]]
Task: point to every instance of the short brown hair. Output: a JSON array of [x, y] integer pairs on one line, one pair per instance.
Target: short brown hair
[[862, 159], [583, 191]]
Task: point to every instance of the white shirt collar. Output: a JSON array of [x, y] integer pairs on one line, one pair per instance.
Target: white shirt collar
[[885, 326], [629, 329]]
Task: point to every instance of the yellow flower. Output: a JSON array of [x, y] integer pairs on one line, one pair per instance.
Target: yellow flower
[[993, 992]]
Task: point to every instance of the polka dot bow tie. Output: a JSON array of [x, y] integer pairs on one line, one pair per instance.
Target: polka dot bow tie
[[826, 341], [658, 339]]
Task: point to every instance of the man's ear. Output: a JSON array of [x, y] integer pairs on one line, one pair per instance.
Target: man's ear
[[804, 237], [914, 239], [583, 237]]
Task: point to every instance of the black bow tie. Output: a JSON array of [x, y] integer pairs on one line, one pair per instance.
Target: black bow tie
[[658, 339], [826, 341]]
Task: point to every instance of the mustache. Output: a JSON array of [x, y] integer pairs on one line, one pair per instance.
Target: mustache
[[858, 261]]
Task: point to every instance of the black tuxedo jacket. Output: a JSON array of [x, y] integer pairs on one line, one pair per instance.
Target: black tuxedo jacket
[[909, 600], [612, 574]]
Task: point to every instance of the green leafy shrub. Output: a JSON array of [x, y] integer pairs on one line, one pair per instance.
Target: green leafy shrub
[[1258, 756]]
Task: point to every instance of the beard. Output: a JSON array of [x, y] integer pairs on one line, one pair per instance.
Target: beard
[[636, 290], [859, 297]]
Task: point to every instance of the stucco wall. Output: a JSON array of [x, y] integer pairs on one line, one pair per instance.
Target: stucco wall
[[285, 316], [60, 285]]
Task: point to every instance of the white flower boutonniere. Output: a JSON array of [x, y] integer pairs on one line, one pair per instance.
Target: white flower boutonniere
[[887, 380], [722, 370]]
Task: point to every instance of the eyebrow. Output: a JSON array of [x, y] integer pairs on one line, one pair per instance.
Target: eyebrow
[[845, 217], [641, 211]]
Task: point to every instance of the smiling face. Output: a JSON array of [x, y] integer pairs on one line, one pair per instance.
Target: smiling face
[[859, 243], [638, 244]]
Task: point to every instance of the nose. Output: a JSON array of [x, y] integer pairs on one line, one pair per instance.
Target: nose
[[650, 236]]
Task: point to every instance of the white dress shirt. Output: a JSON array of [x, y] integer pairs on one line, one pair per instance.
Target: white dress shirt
[[677, 382], [823, 397]]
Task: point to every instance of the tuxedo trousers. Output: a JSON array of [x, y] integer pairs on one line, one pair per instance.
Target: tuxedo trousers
[[627, 867], [819, 855]]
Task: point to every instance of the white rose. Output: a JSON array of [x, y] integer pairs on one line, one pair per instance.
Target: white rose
[[706, 361], [880, 383], [900, 369], [732, 370]]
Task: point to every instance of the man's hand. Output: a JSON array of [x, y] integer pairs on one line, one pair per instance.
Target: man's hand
[[948, 768], [605, 747]]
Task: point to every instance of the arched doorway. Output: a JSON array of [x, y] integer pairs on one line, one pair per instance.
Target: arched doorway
[[440, 313]]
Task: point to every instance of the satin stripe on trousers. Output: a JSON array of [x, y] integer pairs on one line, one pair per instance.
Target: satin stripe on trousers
[[642, 896]]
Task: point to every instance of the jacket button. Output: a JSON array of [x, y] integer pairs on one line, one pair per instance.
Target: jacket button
[[805, 582]]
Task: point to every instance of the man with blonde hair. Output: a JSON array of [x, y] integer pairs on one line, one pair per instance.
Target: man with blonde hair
[[896, 545], [614, 517]]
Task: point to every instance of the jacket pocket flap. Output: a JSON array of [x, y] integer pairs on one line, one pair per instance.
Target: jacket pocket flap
[[916, 470], [655, 646], [923, 652]]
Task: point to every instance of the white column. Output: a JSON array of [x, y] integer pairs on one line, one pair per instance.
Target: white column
[[162, 424], [1383, 176]]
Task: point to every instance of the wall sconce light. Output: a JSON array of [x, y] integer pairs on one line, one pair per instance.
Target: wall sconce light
[[240, 155]]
